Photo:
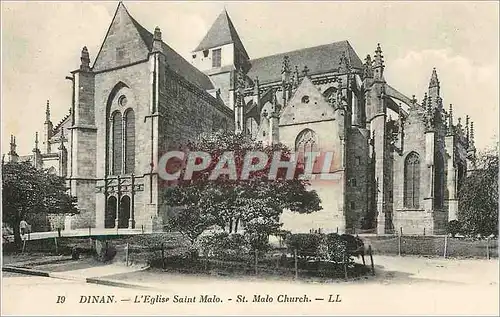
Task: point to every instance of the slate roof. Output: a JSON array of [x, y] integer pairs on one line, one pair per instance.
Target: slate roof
[[221, 32], [318, 59], [183, 68], [146, 36], [175, 61]]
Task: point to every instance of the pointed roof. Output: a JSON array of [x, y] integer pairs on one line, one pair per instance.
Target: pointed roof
[[318, 59], [175, 61], [221, 32]]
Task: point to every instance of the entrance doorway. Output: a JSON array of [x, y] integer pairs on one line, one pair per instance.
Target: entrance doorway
[[124, 212], [110, 215]]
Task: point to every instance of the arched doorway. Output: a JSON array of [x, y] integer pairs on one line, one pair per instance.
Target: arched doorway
[[124, 212], [110, 216]]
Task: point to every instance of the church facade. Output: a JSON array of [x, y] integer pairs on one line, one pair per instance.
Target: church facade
[[397, 162]]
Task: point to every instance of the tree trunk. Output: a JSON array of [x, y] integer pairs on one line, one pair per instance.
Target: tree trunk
[[236, 225], [17, 233]]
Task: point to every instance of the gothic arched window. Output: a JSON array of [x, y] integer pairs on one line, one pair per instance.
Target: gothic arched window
[[117, 143], [412, 181], [305, 143], [129, 141]]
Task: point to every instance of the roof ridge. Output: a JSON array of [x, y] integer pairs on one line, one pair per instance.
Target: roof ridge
[[146, 36], [318, 59], [300, 49], [234, 33]]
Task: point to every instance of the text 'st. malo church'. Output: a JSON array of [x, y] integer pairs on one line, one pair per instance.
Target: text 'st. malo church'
[[399, 161]]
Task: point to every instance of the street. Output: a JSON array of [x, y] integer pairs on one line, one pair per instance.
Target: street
[[402, 286]]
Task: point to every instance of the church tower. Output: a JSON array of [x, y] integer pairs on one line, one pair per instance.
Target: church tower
[[220, 55]]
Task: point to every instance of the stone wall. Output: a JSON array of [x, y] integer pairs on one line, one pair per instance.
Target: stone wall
[[85, 191], [133, 82], [357, 177], [331, 191], [413, 221], [330, 219], [185, 113]]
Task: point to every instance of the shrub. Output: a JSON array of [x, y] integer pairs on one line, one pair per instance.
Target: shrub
[[106, 254], [257, 241], [331, 247], [354, 245], [223, 245], [454, 227], [306, 244], [335, 248], [282, 234]]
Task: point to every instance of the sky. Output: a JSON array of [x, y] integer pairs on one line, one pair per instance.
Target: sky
[[42, 41]]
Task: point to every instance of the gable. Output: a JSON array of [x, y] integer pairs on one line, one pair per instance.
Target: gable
[[126, 42], [306, 105]]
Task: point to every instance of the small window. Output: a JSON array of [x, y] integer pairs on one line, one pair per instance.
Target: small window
[[357, 160], [120, 54], [216, 58], [205, 53], [122, 101], [305, 99], [353, 205], [353, 182]]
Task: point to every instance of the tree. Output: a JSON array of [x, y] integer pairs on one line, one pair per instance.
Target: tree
[[256, 201], [28, 190], [478, 197], [454, 227]]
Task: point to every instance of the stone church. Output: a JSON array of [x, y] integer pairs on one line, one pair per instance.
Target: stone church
[[397, 162]]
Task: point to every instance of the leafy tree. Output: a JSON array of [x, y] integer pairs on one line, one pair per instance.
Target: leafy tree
[[454, 227], [478, 197], [27, 190], [225, 203]]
